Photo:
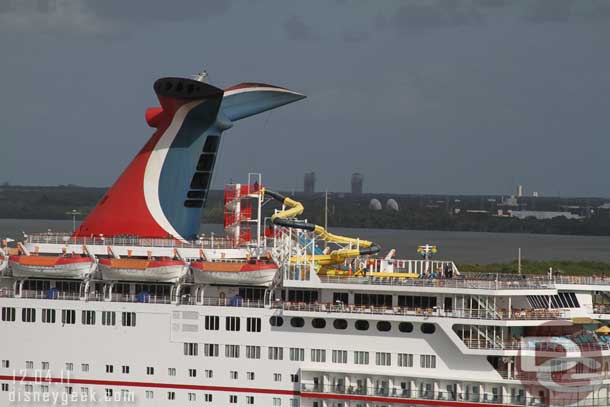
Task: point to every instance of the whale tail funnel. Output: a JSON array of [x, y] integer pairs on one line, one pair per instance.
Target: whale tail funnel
[[162, 192]]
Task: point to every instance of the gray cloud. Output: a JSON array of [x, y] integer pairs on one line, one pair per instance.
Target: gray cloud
[[416, 15], [158, 10], [355, 36], [296, 29]]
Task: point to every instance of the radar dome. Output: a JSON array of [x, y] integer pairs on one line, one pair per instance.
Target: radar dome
[[392, 205], [375, 205]]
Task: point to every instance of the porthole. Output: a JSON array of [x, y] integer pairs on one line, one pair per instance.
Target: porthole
[[405, 327], [428, 328], [340, 324], [276, 321], [297, 322], [318, 323], [362, 325], [383, 326]]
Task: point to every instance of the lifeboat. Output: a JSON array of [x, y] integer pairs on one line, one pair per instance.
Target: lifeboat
[[249, 272], [143, 270], [51, 266]]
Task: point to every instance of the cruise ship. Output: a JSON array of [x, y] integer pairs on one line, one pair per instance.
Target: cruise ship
[[135, 308]]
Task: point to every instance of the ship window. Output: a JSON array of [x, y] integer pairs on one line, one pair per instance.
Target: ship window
[[253, 352], [339, 356], [361, 358], [405, 360], [88, 318], [250, 400], [250, 375], [318, 323], [252, 294], [128, 319], [207, 397], [297, 322], [125, 369], [233, 375], [375, 300], [307, 296], [232, 351], [48, 316], [210, 350], [341, 298], [405, 327], [276, 353], [109, 368], [205, 163], [340, 324], [192, 203], [84, 367], [171, 371], [68, 316], [192, 372], [232, 323], [318, 355], [195, 194], [108, 318], [383, 326], [383, 358], [427, 361], [428, 328], [233, 399], [28, 315], [297, 354], [212, 323], [276, 321], [253, 324], [211, 144], [208, 374], [171, 395], [191, 349], [150, 370], [8, 314], [200, 180], [5, 364], [362, 325]]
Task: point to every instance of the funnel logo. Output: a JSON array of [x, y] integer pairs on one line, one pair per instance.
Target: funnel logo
[[560, 371]]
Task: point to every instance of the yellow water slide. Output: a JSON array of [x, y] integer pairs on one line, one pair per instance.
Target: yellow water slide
[[294, 209]]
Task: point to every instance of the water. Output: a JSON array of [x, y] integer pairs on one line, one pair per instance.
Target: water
[[461, 247]]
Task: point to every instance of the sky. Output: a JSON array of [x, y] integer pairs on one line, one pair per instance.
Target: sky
[[420, 96]]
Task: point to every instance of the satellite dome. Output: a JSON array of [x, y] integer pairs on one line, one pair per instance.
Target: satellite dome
[[375, 205], [392, 205]]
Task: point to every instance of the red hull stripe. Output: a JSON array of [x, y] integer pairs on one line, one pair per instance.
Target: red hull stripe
[[250, 390]]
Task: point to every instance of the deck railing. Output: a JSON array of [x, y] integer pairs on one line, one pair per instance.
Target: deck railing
[[405, 394], [441, 283], [187, 299], [63, 239]]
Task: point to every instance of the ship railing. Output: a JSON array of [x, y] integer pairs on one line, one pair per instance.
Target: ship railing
[[423, 312], [495, 397], [67, 239], [440, 283], [188, 299], [601, 309], [545, 348]]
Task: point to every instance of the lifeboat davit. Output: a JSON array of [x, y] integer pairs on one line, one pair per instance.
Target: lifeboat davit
[[163, 270], [249, 272], [51, 266]]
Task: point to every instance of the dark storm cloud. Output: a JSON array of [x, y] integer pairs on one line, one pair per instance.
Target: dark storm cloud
[[297, 30]]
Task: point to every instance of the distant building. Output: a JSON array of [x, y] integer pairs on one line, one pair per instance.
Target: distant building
[[392, 205], [309, 182], [519, 191], [357, 183], [375, 205], [543, 215], [535, 194]]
